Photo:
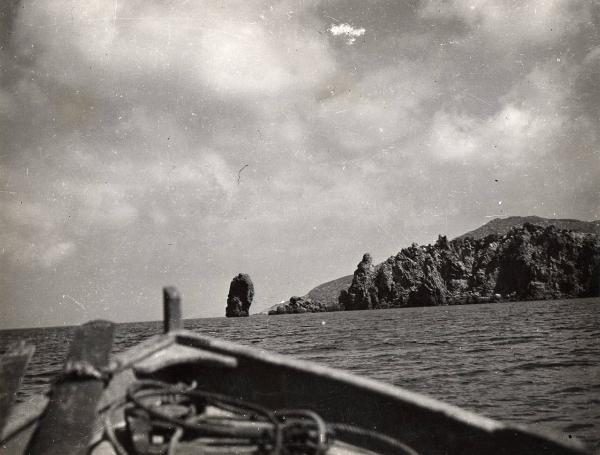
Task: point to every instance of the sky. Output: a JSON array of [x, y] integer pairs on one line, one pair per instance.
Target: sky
[[152, 143]]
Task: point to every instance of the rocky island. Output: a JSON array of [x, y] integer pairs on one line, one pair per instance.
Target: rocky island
[[522, 262]]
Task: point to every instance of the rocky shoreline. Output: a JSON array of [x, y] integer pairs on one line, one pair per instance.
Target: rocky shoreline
[[528, 262], [297, 305]]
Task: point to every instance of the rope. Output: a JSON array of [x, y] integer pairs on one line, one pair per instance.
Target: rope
[[248, 427]]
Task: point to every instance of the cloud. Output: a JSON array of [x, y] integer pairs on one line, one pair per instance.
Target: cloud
[[207, 172], [244, 59], [57, 253], [533, 115], [32, 235], [507, 23], [100, 204], [123, 132], [514, 134], [245, 51], [376, 111], [588, 84], [347, 30]]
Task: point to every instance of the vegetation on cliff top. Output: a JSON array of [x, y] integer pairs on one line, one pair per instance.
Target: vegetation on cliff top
[[501, 226]]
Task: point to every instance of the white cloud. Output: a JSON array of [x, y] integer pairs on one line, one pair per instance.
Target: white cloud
[[454, 135], [347, 30], [247, 59], [513, 134], [532, 116], [195, 46]]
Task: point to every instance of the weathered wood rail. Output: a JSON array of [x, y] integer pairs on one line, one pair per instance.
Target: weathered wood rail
[[12, 370]]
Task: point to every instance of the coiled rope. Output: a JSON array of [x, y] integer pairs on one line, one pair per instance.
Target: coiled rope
[[248, 427]]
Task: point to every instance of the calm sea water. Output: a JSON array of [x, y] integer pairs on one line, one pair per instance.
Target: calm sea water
[[536, 363]]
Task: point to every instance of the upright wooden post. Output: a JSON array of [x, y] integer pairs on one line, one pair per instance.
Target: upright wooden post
[[67, 425], [172, 309]]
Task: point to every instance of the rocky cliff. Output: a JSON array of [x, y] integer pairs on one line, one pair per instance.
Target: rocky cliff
[[528, 262], [328, 293], [470, 269]]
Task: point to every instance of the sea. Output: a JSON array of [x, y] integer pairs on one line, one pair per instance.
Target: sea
[[533, 363]]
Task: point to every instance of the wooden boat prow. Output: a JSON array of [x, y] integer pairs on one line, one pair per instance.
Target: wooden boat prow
[[424, 425]]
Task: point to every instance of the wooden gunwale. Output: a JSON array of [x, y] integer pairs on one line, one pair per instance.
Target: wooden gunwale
[[426, 424]]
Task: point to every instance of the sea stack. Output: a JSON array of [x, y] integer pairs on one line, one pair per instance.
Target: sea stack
[[241, 293]]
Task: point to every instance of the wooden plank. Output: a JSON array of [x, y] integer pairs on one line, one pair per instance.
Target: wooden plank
[[67, 424], [179, 355], [172, 309], [23, 418], [21, 425], [12, 370], [126, 359]]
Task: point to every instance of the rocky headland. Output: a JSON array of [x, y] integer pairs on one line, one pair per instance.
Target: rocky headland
[[523, 261], [527, 263]]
